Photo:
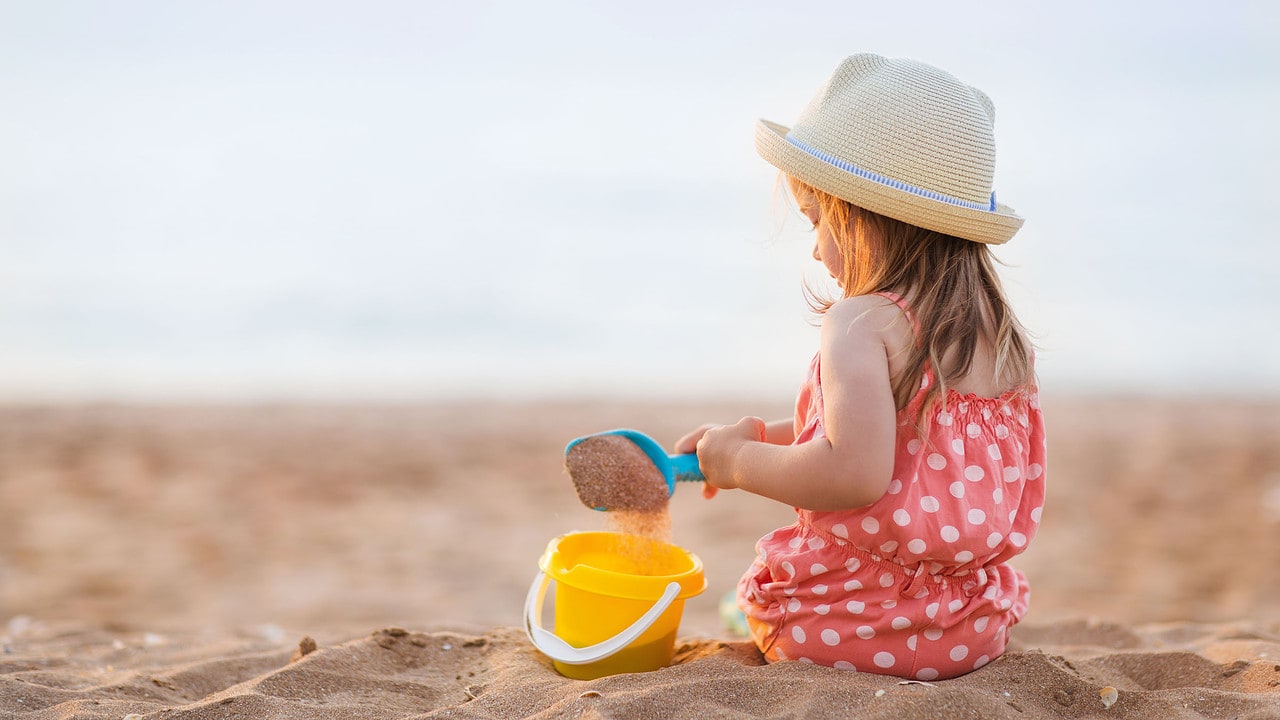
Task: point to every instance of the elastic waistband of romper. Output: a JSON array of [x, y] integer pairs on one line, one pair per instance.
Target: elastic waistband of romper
[[914, 581]]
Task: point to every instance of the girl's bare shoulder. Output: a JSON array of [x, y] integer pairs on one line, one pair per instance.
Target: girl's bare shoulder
[[872, 322], [867, 313]]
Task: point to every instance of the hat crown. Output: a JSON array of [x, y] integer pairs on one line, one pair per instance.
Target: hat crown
[[907, 121]]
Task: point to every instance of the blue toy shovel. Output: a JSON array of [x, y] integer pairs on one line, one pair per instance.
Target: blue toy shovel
[[683, 468]]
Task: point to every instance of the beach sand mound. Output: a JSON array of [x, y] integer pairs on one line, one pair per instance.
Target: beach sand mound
[[1058, 670], [171, 562]]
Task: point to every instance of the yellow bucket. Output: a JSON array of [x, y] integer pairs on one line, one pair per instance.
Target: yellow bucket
[[618, 600]]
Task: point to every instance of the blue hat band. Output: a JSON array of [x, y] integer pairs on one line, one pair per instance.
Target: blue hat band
[[890, 182]]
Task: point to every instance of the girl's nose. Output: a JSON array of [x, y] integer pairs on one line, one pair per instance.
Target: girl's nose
[[816, 255]]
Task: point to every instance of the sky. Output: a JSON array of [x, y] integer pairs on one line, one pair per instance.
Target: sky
[[409, 200]]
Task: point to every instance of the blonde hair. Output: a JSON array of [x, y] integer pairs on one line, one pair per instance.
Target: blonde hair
[[955, 295]]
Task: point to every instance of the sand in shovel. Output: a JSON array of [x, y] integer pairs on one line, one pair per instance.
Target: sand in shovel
[[612, 473]]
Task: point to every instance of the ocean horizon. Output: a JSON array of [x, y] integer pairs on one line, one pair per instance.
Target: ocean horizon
[[413, 202]]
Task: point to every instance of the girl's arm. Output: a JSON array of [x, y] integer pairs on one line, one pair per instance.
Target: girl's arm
[[777, 432], [780, 432], [851, 466]]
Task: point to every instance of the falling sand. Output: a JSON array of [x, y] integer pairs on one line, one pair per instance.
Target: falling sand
[[613, 474], [638, 532]]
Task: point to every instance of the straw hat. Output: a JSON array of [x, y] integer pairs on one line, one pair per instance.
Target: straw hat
[[900, 138]]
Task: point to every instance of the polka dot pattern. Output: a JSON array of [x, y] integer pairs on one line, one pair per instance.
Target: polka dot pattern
[[917, 582]]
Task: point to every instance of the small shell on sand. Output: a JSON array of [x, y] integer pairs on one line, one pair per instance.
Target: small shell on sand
[[1109, 696]]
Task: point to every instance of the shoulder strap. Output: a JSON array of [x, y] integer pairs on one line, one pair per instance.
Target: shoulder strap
[[901, 302], [896, 299]]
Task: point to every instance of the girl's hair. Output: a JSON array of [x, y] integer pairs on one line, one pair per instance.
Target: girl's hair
[[954, 290]]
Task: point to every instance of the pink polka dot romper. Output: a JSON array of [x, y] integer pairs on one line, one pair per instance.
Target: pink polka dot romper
[[916, 584]]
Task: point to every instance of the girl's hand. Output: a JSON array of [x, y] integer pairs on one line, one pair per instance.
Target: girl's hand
[[689, 444], [717, 448]]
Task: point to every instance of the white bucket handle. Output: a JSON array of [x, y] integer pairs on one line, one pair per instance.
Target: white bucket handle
[[550, 644]]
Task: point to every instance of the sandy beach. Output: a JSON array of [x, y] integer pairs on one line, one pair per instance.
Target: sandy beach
[[372, 562]]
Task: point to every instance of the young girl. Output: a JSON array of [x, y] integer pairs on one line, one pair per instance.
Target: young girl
[[916, 457]]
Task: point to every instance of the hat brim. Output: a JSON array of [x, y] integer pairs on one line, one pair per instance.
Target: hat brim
[[992, 227]]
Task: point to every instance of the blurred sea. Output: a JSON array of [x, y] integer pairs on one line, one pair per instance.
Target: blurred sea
[[275, 201]]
